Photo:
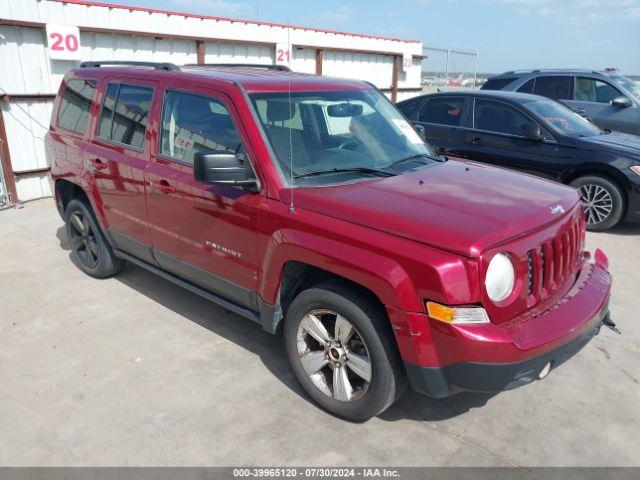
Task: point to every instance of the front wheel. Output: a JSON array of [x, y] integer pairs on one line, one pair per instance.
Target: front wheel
[[341, 349], [603, 202]]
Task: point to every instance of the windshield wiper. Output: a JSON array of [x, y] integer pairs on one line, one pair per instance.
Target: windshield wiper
[[372, 171], [413, 157]]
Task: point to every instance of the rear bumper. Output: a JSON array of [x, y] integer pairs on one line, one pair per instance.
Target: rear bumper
[[443, 359], [439, 382]]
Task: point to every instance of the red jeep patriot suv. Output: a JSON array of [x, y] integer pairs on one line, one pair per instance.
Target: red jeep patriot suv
[[311, 206]]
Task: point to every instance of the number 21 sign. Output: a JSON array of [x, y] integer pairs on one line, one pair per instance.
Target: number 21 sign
[[283, 54], [63, 42]]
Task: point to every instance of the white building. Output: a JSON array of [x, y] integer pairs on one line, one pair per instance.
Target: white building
[[36, 34]]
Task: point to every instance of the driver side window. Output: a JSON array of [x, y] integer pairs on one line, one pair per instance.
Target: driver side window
[[195, 123], [498, 117], [592, 90]]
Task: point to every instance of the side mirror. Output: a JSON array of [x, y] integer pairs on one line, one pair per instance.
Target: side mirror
[[621, 102], [420, 129], [532, 131], [224, 168]]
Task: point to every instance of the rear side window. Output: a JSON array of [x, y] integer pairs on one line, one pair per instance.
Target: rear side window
[[75, 105], [497, 83], [443, 111], [528, 87], [592, 90], [409, 108], [125, 113], [498, 117], [556, 87], [194, 123]]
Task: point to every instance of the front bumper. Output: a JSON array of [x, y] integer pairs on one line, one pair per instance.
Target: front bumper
[[439, 382], [633, 197], [443, 359]]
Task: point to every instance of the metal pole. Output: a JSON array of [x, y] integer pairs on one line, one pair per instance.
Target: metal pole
[[446, 69], [475, 74]]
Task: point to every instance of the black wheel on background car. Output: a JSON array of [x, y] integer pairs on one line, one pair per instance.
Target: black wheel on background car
[[603, 202], [88, 245], [342, 351]]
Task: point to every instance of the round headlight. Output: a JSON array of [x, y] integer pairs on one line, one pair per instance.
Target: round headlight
[[500, 278]]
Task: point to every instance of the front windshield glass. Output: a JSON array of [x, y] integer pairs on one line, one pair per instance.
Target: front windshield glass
[[562, 119], [625, 82], [339, 136]]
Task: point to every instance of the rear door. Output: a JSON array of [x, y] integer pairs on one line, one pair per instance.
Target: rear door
[[592, 98], [205, 234], [444, 120], [497, 139], [117, 158]]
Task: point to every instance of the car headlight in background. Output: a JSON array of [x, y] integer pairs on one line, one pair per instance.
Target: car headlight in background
[[500, 277], [636, 169]]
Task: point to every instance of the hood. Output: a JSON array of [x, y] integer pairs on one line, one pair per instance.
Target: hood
[[459, 206], [619, 142]]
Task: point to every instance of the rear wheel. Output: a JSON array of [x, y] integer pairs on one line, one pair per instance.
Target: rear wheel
[[342, 351], [603, 202], [88, 245]]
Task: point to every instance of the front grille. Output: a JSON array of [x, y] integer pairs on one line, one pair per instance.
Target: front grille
[[552, 262]]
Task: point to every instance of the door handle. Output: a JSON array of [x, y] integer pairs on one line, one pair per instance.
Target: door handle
[[162, 185], [477, 141], [99, 164]]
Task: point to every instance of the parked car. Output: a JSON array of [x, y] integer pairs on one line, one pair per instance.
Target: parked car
[[541, 137], [609, 99], [311, 206]]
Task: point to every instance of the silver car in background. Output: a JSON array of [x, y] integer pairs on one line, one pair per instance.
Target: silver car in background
[[608, 99]]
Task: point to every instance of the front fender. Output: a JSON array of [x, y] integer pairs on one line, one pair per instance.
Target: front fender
[[380, 274]]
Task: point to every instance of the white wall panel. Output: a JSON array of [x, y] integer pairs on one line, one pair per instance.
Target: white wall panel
[[33, 187], [26, 124], [377, 69], [223, 52], [304, 60]]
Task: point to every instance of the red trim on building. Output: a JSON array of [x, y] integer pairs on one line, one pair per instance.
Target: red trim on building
[[223, 19]]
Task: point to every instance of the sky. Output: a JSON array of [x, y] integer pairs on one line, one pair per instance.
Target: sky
[[507, 34]]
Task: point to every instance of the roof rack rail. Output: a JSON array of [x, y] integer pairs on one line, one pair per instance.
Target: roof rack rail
[[154, 65], [281, 68]]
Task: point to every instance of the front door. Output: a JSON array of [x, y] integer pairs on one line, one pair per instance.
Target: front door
[[118, 156], [205, 234], [592, 98], [497, 138]]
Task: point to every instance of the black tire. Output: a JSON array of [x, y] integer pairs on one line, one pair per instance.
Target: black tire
[[588, 186], [387, 375], [89, 247]]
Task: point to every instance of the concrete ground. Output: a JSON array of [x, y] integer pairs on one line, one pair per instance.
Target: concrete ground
[[134, 371]]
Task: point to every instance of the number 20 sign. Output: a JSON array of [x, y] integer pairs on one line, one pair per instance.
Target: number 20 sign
[[63, 42]]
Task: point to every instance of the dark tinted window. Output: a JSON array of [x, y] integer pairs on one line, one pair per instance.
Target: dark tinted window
[[498, 117], [125, 113], [592, 90], [409, 108], [556, 87], [75, 105], [528, 87], [497, 83], [194, 123], [442, 111]]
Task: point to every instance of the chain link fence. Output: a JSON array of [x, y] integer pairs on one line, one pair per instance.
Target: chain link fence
[[447, 69]]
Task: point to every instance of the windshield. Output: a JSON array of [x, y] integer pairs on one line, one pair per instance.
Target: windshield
[[626, 82], [562, 119], [339, 136]]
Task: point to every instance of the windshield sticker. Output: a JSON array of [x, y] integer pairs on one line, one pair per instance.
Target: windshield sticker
[[408, 131]]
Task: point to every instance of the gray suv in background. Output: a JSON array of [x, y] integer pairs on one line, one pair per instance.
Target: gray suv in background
[[608, 99]]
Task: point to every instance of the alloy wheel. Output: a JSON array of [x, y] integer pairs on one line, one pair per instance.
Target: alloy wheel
[[334, 356], [83, 239], [597, 201]]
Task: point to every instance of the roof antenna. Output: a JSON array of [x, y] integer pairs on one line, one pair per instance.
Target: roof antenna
[[291, 179]]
